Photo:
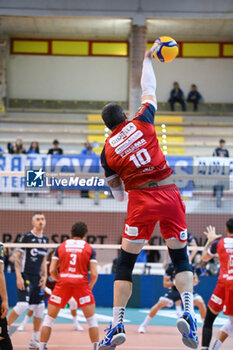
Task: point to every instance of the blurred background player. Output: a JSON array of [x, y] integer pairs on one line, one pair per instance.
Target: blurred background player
[[227, 328], [31, 276], [74, 257], [222, 246], [173, 296], [50, 284], [141, 170], [5, 342]]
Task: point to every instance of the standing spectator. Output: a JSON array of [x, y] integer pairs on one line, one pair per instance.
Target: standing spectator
[[17, 148], [221, 151], [56, 149], [194, 97], [88, 150], [34, 148], [177, 95]]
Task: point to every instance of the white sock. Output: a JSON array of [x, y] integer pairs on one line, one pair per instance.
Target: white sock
[[95, 346], [146, 321], [187, 299], [43, 346], [75, 320], [217, 344], [178, 310], [118, 315], [25, 320], [35, 335]]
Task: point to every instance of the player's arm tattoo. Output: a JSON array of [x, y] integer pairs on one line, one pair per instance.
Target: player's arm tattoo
[[18, 259]]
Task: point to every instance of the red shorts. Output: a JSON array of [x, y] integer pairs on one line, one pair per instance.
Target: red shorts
[[228, 303], [63, 291], [217, 298], [148, 206]]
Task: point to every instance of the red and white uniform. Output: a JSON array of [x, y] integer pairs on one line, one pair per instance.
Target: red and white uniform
[[132, 152], [224, 248], [74, 256], [228, 303]]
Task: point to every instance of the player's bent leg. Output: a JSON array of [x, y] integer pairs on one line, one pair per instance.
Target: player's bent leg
[[199, 302], [18, 310], [89, 313], [207, 329], [23, 324], [73, 310], [115, 334], [163, 302], [47, 325], [187, 324], [225, 331]]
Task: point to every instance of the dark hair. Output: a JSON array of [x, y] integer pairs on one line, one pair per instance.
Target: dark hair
[[194, 85], [37, 150], [112, 115], [55, 142], [229, 225], [222, 141], [79, 229]]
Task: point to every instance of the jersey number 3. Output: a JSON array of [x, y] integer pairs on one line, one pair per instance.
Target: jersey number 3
[[142, 157], [73, 258]]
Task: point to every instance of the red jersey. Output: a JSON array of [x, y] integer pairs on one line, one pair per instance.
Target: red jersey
[[74, 256], [132, 151], [224, 248]]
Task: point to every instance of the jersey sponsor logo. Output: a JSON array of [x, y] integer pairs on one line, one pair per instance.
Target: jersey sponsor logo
[[184, 235], [75, 244], [122, 135], [36, 252], [134, 147], [131, 230], [129, 142], [84, 300], [228, 243], [216, 299], [55, 299]]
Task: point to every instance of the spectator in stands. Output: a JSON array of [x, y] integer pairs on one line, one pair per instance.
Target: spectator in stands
[[177, 95], [88, 150], [17, 148], [221, 151], [201, 269], [194, 97], [34, 148], [56, 149]]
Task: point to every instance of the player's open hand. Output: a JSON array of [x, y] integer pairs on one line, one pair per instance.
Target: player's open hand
[[149, 53], [4, 309], [20, 283], [211, 233], [42, 282]]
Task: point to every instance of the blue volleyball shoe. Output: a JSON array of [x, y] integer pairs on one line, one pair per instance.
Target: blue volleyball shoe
[[114, 337], [187, 326]]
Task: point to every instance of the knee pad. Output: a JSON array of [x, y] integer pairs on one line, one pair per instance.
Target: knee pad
[[125, 265], [20, 307], [228, 326], [5, 344], [38, 310], [180, 260], [48, 321], [72, 303], [92, 321]]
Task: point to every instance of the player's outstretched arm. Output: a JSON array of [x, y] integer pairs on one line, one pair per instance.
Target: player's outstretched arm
[[148, 80], [211, 237]]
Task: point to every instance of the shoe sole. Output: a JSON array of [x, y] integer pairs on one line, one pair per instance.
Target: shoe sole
[[140, 331], [118, 339], [189, 342], [184, 328]]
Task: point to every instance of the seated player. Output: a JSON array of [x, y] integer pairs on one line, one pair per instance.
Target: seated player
[[73, 257], [227, 328], [172, 296], [5, 342]]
